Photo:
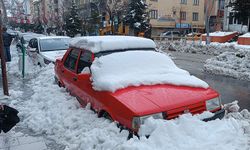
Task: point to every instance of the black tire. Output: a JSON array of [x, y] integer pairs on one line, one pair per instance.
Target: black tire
[[106, 115]]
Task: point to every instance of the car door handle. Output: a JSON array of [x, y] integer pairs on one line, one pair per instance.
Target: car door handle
[[75, 78]]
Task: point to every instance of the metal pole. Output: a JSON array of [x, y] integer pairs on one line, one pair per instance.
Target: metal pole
[[23, 63], [3, 63]]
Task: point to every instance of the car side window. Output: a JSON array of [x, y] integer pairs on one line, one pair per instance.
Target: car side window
[[85, 62], [70, 62]]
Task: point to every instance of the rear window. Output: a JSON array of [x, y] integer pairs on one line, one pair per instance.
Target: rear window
[[54, 44]]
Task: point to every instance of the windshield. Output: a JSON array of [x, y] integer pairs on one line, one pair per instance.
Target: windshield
[[54, 44]]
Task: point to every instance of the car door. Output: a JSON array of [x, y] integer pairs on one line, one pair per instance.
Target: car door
[[82, 85], [69, 70]]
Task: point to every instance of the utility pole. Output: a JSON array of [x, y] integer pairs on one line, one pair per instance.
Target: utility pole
[[3, 63]]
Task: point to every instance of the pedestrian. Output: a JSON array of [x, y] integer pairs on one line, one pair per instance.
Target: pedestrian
[[7, 39]]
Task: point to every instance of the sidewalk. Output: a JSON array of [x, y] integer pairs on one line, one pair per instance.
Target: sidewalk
[[18, 141]]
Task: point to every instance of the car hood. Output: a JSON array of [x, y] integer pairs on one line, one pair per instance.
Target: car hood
[[53, 55], [145, 100]]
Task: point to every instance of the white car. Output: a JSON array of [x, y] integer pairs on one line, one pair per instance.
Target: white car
[[44, 50]]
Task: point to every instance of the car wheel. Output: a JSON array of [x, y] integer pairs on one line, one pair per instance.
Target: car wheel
[[106, 115]]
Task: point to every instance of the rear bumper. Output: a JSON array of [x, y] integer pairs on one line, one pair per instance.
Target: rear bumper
[[218, 114]]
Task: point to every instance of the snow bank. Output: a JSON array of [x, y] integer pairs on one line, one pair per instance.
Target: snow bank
[[15, 66], [219, 33], [234, 64], [104, 43], [247, 35], [190, 133], [197, 47], [135, 68]]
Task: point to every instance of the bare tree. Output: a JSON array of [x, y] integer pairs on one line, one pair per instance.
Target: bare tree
[[115, 8], [5, 19]]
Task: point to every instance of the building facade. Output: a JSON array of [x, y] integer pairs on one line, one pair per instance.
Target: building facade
[[234, 24], [182, 15], [216, 13]]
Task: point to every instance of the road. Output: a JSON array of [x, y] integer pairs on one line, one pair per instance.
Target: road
[[230, 89]]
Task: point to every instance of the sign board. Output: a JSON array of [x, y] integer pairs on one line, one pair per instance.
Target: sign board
[[183, 25]]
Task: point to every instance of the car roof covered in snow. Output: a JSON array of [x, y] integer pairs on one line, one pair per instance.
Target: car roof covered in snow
[[97, 44], [52, 37]]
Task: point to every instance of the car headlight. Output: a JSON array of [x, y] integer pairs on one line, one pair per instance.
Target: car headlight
[[138, 121], [213, 103]]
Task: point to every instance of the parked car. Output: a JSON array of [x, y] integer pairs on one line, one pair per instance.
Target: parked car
[[170, 34], [125, 79], [24, 38], [44, 50]]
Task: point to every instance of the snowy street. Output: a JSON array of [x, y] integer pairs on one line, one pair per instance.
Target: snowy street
[[230, 89], [54, 119]]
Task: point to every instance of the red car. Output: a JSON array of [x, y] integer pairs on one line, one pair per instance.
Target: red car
[[125, 79]]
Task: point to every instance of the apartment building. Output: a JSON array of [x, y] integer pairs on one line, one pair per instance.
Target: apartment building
[[182, 15], [234, 24], [48, 12]]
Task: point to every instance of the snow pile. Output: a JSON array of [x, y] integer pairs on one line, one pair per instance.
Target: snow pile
[[54, 113], [196, 47], [135, 68], [15, 66], [234, 64], [219, 33], [190, 133], [246, 35], [106, 43]]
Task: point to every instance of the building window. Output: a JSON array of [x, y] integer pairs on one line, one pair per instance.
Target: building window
[[153, 14], [196, 2], [195, 16], [183, 1], [183, 15]]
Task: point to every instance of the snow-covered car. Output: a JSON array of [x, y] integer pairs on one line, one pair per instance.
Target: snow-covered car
[[44, 50], [126, 80]]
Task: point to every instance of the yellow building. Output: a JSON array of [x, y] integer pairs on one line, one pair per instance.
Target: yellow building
[[182, 15]]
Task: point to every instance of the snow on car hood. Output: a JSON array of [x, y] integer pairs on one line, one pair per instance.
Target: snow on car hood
[[135, 68], [53, 55]]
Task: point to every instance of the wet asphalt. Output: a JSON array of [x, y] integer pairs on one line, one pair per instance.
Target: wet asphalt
[[230, 89]]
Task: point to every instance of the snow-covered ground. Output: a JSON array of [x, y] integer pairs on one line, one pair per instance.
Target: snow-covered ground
[[234, 64], [51, 112]]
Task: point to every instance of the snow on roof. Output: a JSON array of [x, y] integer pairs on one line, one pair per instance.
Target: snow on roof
[[134, 68], [219, 33], [103, 43], [246, 35], [52, 37]]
